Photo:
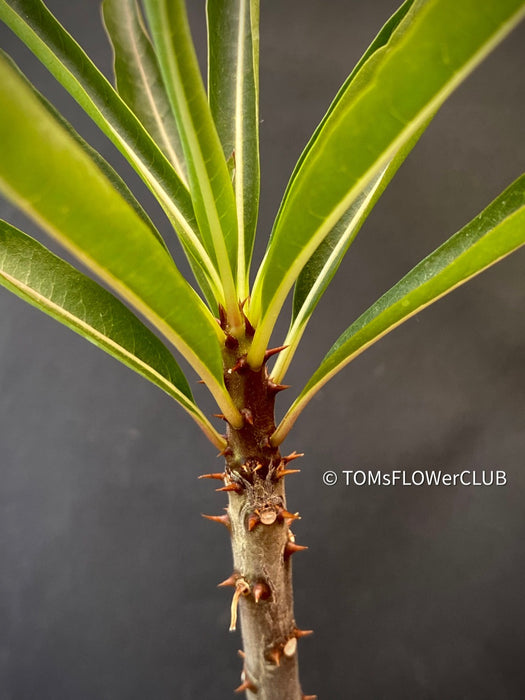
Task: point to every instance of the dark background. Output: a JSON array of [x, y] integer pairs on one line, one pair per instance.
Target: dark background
[[108, 573]]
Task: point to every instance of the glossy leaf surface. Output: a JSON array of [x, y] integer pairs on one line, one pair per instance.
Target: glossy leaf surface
[[138, 78], [233, 65], [47, 173], [495, 233], [70, 65], [210, 183], [52, 285], [434, 47]]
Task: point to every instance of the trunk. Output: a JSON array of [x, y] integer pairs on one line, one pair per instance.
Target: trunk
[[262, 541]]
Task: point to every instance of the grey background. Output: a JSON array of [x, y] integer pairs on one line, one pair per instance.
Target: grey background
[[107, 571]]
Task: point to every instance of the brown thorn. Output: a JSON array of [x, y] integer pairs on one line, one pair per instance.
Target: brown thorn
[[219, 415], [302, 633], [289, 516], [276, 388], [309, 697], [275, 656], [247, 415], [224, 519], [201, 381], [217, 475], [273, 351], [253, 521], [227, 452], [231, 487], [265, 442], [242, 587], [293, 455], [247, 685], [223, 318], [230, 581], [291, 548], [286, 472], [239, 365], [260, 591], [241, 653]]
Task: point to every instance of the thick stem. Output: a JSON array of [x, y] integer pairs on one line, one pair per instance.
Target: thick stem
[[262, 541]]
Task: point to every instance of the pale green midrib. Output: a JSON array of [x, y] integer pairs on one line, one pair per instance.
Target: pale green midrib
[[265, 326], [105, 340], [304, 398], [299, 325], [239, 152], [212, 215], [153, 105], [217, 390]]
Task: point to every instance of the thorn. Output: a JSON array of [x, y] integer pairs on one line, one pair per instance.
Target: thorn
[[286, 472], [218, 475], [309, 697], [224, 519], [253, 521], [239, 365], [241, 653], [248, 415], [260, 591], [227, 452], [302, 633], [201, 381], [276, 388], [291, 548], [231, 343], [223, 318], [247, 685], [241, 588], [275, 656], [273, 351], [220, 415], [230, 581], [293, 455], [231, 487], [289, 516]]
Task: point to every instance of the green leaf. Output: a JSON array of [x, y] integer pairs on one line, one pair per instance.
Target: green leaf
[[115, 179], [52, 285], [495, 233], [210, 184], [324, 263], [50, 176], [69, 64], [138, 78], [434, 47], [233, 66]]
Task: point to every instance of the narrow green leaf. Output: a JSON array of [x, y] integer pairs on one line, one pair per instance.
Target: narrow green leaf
[[50, 176], [210, 184], [324, 263], [115, 179], [233, 30], [434, 47], [495, 233], [69, 64], [52, 285], [138, 78]]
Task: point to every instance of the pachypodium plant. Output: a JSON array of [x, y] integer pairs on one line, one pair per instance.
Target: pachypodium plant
[[198, 152]]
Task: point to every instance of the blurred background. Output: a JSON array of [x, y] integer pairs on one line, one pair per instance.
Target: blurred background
[[107, 570]]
